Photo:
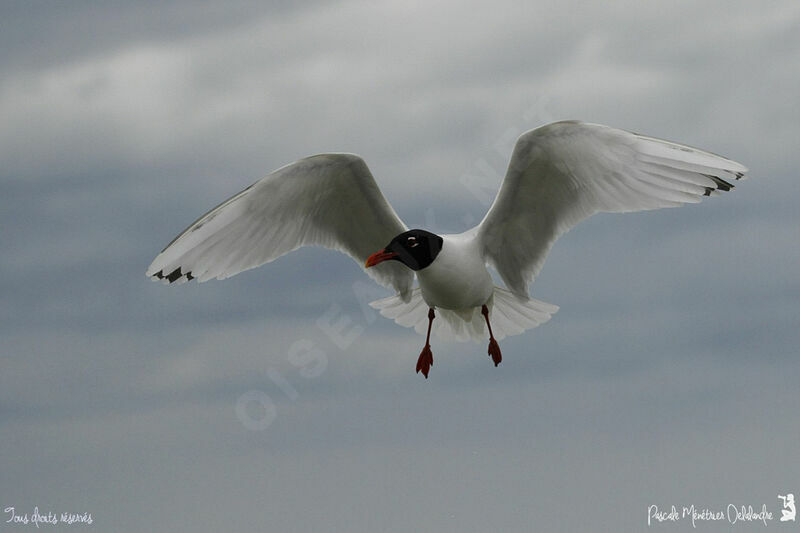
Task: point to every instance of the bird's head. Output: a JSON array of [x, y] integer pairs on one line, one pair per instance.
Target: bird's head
[[415, 248]]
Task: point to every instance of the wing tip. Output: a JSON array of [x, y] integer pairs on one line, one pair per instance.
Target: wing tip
[[176, 275]]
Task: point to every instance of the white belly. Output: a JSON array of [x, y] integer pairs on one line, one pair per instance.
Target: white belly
[[457, 278]]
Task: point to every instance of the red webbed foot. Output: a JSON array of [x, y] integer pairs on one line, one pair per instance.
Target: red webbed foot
[[494, 348], [425, 361], [494, 352]]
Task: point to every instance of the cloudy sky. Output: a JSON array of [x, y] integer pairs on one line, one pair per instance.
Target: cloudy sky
[[668, 377]]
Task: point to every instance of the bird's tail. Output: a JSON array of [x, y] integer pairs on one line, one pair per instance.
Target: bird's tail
[[508, 315]]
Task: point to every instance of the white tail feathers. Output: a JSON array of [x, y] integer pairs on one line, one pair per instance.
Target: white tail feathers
[[508, 315]]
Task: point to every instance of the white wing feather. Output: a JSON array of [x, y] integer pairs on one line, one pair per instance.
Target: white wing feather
[[564, 172], [328, 200]]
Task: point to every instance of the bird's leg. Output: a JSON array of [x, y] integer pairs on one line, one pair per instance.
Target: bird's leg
[[494, 348], [425, 361]]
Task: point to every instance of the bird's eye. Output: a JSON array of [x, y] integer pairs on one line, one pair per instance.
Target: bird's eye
[[412, 242]]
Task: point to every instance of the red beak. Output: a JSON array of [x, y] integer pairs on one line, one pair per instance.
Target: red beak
[[379, 257]]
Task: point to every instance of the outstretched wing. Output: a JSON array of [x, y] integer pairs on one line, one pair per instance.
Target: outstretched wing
[[564, 172], [328, 200]]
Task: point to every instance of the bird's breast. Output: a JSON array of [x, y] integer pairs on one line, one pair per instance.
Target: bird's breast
[[457, 278]]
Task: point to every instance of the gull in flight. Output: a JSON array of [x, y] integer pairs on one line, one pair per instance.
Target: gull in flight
[[559, 174]]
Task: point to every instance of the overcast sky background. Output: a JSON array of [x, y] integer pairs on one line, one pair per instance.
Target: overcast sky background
[[669, 376]]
